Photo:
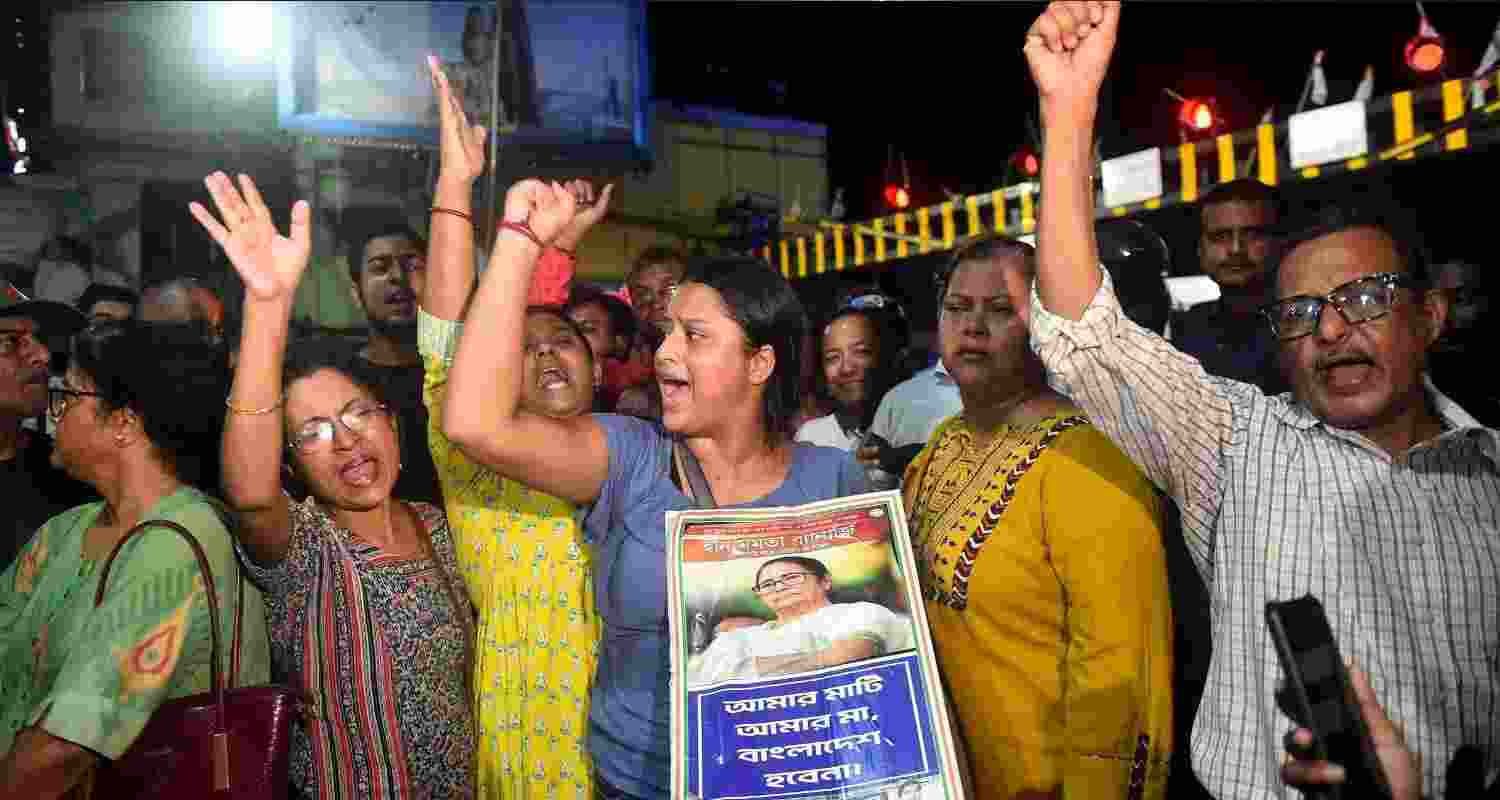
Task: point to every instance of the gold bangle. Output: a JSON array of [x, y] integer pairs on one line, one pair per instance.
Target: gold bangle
[[454, 212], [254, 411]]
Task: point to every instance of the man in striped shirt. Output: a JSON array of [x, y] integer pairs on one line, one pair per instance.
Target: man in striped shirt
[[1365, 487]]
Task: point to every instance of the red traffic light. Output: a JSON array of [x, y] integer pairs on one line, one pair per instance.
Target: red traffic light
[[1424, 52], [1196, 115], [897, 196], [1027, 162]]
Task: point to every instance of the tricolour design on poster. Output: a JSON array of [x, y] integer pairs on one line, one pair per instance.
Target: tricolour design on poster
[[801, 662]]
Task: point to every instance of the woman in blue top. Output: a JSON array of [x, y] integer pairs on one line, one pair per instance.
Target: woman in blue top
[[728, 371]]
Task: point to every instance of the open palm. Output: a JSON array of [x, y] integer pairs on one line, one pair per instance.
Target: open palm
[[269, 263], [1069, 46]]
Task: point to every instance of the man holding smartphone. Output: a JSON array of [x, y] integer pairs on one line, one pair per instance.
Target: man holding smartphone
[[1366, 487]]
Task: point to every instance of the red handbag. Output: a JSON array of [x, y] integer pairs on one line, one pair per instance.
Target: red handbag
[[229, 742]]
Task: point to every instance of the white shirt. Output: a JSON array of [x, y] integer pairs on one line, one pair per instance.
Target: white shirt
[[913, 409], [733, 654], [827, 432], [1404, 553]]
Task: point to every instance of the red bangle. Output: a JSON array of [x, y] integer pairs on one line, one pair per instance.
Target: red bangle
[[565, 251], [523, 229]]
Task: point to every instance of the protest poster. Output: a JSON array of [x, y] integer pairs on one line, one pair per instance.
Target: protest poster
[[801, 662]]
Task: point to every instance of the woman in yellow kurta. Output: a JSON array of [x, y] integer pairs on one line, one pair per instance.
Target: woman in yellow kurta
[[1039, 549], [521, 552]]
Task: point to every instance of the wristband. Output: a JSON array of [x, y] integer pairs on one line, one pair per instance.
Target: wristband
[[523, 229], [453, 212], [254, 411]]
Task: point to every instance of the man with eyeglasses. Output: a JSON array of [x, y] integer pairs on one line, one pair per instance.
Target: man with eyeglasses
[[1365, 487], [1236, 221], [33, 491]]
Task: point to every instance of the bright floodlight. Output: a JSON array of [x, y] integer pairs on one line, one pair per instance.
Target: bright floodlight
[[248, 28]]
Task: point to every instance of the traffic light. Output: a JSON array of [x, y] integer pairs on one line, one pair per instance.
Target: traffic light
[[1425, 52], [897, 197], [1197, 116], [1027, 163]]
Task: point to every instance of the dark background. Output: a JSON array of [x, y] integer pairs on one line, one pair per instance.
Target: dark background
[[946, 85]]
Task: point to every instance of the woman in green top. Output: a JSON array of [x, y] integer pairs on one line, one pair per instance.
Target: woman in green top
[[137, 418]]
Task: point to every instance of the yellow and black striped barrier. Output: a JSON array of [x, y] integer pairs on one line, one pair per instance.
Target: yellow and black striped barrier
[[1441, 111]]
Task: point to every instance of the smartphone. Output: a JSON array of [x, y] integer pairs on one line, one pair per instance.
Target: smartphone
[[1322, 698]]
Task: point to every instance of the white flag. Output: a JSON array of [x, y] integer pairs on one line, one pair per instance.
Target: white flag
[[1319, 94], [1486, 65], [1366, 88], [1491, 54]]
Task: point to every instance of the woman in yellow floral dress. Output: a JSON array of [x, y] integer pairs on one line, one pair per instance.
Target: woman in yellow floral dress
[[521, 552]]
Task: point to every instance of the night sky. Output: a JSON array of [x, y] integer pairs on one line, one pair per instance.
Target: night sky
[[946, 82]]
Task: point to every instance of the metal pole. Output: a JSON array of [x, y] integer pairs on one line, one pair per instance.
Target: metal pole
[[492, 206]]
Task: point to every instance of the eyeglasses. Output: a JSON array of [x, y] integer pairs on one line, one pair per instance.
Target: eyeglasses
[[788, 580], [58, 399], [1358, 301], [318, 432]]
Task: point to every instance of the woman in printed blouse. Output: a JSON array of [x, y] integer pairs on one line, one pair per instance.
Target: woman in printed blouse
[[1039, 548], [728, 373], [137, 411], [366, 611], [528, 570]]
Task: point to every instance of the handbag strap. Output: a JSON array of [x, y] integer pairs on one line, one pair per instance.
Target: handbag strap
[[239, 617], [217, 676], [692, 476]]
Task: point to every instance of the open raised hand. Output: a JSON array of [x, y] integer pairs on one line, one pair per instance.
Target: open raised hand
[[547, 207], [269, 263], [460, 145], [1068, 49]]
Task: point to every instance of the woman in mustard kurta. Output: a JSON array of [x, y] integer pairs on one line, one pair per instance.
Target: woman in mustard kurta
[[1039, 549], [521, 552]]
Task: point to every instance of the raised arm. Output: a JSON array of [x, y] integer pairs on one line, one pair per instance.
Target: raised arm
[[271, 265], [1068, 48], [567, 458], [1154, 402], [450, 246]]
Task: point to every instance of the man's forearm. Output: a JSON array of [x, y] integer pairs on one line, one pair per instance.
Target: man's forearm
[[1067, 255], [42, 766]]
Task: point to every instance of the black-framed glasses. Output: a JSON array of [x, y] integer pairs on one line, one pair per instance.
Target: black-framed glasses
[[317, 433], [1358, 301], [58, 400], [789, 580]]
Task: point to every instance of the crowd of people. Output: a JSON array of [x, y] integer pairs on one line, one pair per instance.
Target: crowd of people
[[454, 532]]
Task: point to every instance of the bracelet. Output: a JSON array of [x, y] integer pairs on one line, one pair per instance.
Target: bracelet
[[454, 212], [573, 254], [254, 411], [523, 229]]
